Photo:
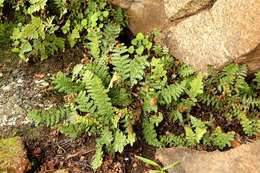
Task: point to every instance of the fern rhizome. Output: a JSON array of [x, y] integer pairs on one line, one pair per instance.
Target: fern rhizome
[[123, 87]]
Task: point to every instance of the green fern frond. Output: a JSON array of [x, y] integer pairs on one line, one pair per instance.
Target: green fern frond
[[176, 116], [242, 73], [185, 71], [111, 32], [101, 71], [195, 136], [84, 103], [98, 157], [121, 62], [120, 141], [257, 79], [105, 138], [190, 136], [196, 86], [171, 93], [36, 5], [136, 68], [251, 102], [158, 77], [149, 132], [150, 100], [70, 130], [95, 43], [50, 117], [66, 85], [210, 100], [120, 96], [98, 93], [228, 77], [251, 127], [132, 70], [221, 139], [172, 141]]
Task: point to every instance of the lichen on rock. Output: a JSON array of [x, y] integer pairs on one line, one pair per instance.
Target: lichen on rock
[[13, 158]]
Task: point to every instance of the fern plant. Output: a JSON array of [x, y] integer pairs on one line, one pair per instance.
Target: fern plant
[[103, 95], [50, 26], [221, 139], [234, 98], [121, 87], [37, 38]]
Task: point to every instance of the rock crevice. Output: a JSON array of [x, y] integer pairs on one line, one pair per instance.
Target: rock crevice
[[185, 8]]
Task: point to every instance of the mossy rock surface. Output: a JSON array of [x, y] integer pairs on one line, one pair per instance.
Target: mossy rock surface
[[13, 158]]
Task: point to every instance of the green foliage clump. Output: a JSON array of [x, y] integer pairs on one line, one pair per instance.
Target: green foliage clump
[[122, 87], [45, 27], [105, 91], [232, 97]]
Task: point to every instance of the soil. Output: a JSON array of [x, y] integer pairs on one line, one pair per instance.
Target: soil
[[54, 151]]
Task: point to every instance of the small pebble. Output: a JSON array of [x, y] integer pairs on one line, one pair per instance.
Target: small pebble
[[6, 88], [19, 81], [41, 83], [126, 158], [1, 74], [82, 158]]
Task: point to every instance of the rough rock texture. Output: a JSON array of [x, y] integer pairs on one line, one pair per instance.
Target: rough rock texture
[[202, 32], [19, 92], [244, 159], [229, 30], [143, 15], [24, 87], [182, 8], [13, 157]]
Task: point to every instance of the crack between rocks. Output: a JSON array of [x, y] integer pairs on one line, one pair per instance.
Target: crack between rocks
[[181, 15], [241, 58]]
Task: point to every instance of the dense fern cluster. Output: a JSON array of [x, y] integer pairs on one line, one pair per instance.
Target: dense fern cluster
[[232, 97], [119, 87], [106, 93]]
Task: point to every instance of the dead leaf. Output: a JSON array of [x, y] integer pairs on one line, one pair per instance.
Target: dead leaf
[[70, 98], [153, 101], [235, 143], [39, 75]]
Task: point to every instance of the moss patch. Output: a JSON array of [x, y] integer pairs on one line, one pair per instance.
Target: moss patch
[[13, 157]]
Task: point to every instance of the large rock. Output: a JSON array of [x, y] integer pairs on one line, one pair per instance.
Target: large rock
[[143, 15], [244, 159], [202, 32], [13, 158]]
